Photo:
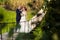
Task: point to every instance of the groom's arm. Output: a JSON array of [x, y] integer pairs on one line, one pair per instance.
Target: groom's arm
[[18, 11]]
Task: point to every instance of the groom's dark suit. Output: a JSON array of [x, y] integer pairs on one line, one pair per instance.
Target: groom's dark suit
[[18, 15]]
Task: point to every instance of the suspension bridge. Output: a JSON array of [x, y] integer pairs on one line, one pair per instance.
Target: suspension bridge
[[28, 27]]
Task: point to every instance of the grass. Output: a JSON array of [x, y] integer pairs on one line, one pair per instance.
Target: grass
[[8, 16], [29, 15]]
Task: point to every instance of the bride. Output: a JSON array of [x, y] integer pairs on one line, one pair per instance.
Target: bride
[[23, 21], [23, 15]]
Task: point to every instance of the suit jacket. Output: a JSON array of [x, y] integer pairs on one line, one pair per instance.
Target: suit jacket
[[18, 14]]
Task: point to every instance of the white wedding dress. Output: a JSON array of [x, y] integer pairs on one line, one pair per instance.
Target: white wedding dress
[[23, 23]]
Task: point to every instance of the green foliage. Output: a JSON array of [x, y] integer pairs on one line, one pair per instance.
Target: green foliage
[[51, 19], [2, 2], [38, 33], [23, 36]]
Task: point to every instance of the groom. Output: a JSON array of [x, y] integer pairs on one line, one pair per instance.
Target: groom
[[18, 15]]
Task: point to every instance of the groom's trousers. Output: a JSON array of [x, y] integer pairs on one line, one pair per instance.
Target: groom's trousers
[[18, 19]]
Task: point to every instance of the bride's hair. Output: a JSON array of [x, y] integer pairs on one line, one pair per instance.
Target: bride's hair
[[24, 8], [21, 7]]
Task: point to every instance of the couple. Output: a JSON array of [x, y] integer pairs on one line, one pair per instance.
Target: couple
[[20, 13], [21, 18]]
